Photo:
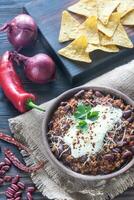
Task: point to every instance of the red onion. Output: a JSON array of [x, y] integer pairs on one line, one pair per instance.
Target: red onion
[[39, 68], [21, 31]]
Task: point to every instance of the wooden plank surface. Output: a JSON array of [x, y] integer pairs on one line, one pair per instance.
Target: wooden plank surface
[[9, 9], [48, 18]]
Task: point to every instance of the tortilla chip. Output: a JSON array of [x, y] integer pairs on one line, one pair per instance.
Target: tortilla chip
[[119, 38], [89, 29], [108, 48], [128, 19], [84, 7], [77, 50], [125, 7], [105, 9], [111, 26], [68, 25]]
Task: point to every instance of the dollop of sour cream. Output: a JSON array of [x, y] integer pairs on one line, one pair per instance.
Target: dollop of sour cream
[[91, 141]]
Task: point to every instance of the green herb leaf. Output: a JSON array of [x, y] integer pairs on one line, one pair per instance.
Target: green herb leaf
[[82, 124], [82, 111], [93, 115]]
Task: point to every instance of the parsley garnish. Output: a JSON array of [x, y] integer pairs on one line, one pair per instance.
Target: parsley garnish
[[84, 112], [82, 124]]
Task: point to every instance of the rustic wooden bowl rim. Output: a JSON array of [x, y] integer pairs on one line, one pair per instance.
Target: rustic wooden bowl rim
[[47, 116]]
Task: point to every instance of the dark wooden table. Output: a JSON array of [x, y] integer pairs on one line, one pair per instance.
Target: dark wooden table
[[9, 9]]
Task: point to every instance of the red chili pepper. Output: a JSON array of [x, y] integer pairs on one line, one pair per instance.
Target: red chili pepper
[[9, 154], [12, 87]]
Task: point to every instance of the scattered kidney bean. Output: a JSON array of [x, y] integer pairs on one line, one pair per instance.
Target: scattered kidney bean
[[15, 187], [7, 161], [15, 179], [2, 164], [29, 196], [7, 178], [21, 185], [9, 194], [10, 199], [5, 167], [18, 194], [2, 172], [18, 198], [31, 189], [9, 189]]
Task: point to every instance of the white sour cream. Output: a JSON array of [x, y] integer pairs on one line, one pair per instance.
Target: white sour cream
[[92, 141]]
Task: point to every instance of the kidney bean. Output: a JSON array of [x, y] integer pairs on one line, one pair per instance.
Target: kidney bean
[[9, 194], [65, 127], [79, 94], [29, 196], [130, 119], [31, 189], [11, 190], [121, 144], [83, 158], [2, 164], [109, 157], [2, 172], [5, 167], [127, 114], [116, 150], [7, 161], [98, 94], [126, 154], [18, 198], [15, 187], [63, 103], [21, 185], [18, 194], [1, 181], [7, 178], [15, 179], [10, 199]]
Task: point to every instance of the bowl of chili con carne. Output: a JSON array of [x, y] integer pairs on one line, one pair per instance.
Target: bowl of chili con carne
[[88, 133]]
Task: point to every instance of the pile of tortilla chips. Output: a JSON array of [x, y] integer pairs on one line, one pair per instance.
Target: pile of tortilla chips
[[102, 28]]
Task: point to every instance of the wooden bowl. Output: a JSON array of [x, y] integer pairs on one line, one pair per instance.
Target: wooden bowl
[[59, 165]]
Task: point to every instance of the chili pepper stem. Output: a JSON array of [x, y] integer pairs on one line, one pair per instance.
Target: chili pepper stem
[[31, 104]]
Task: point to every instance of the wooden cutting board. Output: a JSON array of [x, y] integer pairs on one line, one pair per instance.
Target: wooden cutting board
[[47, 14]]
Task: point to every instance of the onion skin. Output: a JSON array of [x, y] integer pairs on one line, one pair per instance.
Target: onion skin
[[38, 69], [21, 31]]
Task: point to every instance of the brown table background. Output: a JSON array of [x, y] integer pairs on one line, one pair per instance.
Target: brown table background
[[9, 9]]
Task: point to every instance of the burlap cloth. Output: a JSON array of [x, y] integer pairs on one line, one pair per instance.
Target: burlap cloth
[[27, 128]]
